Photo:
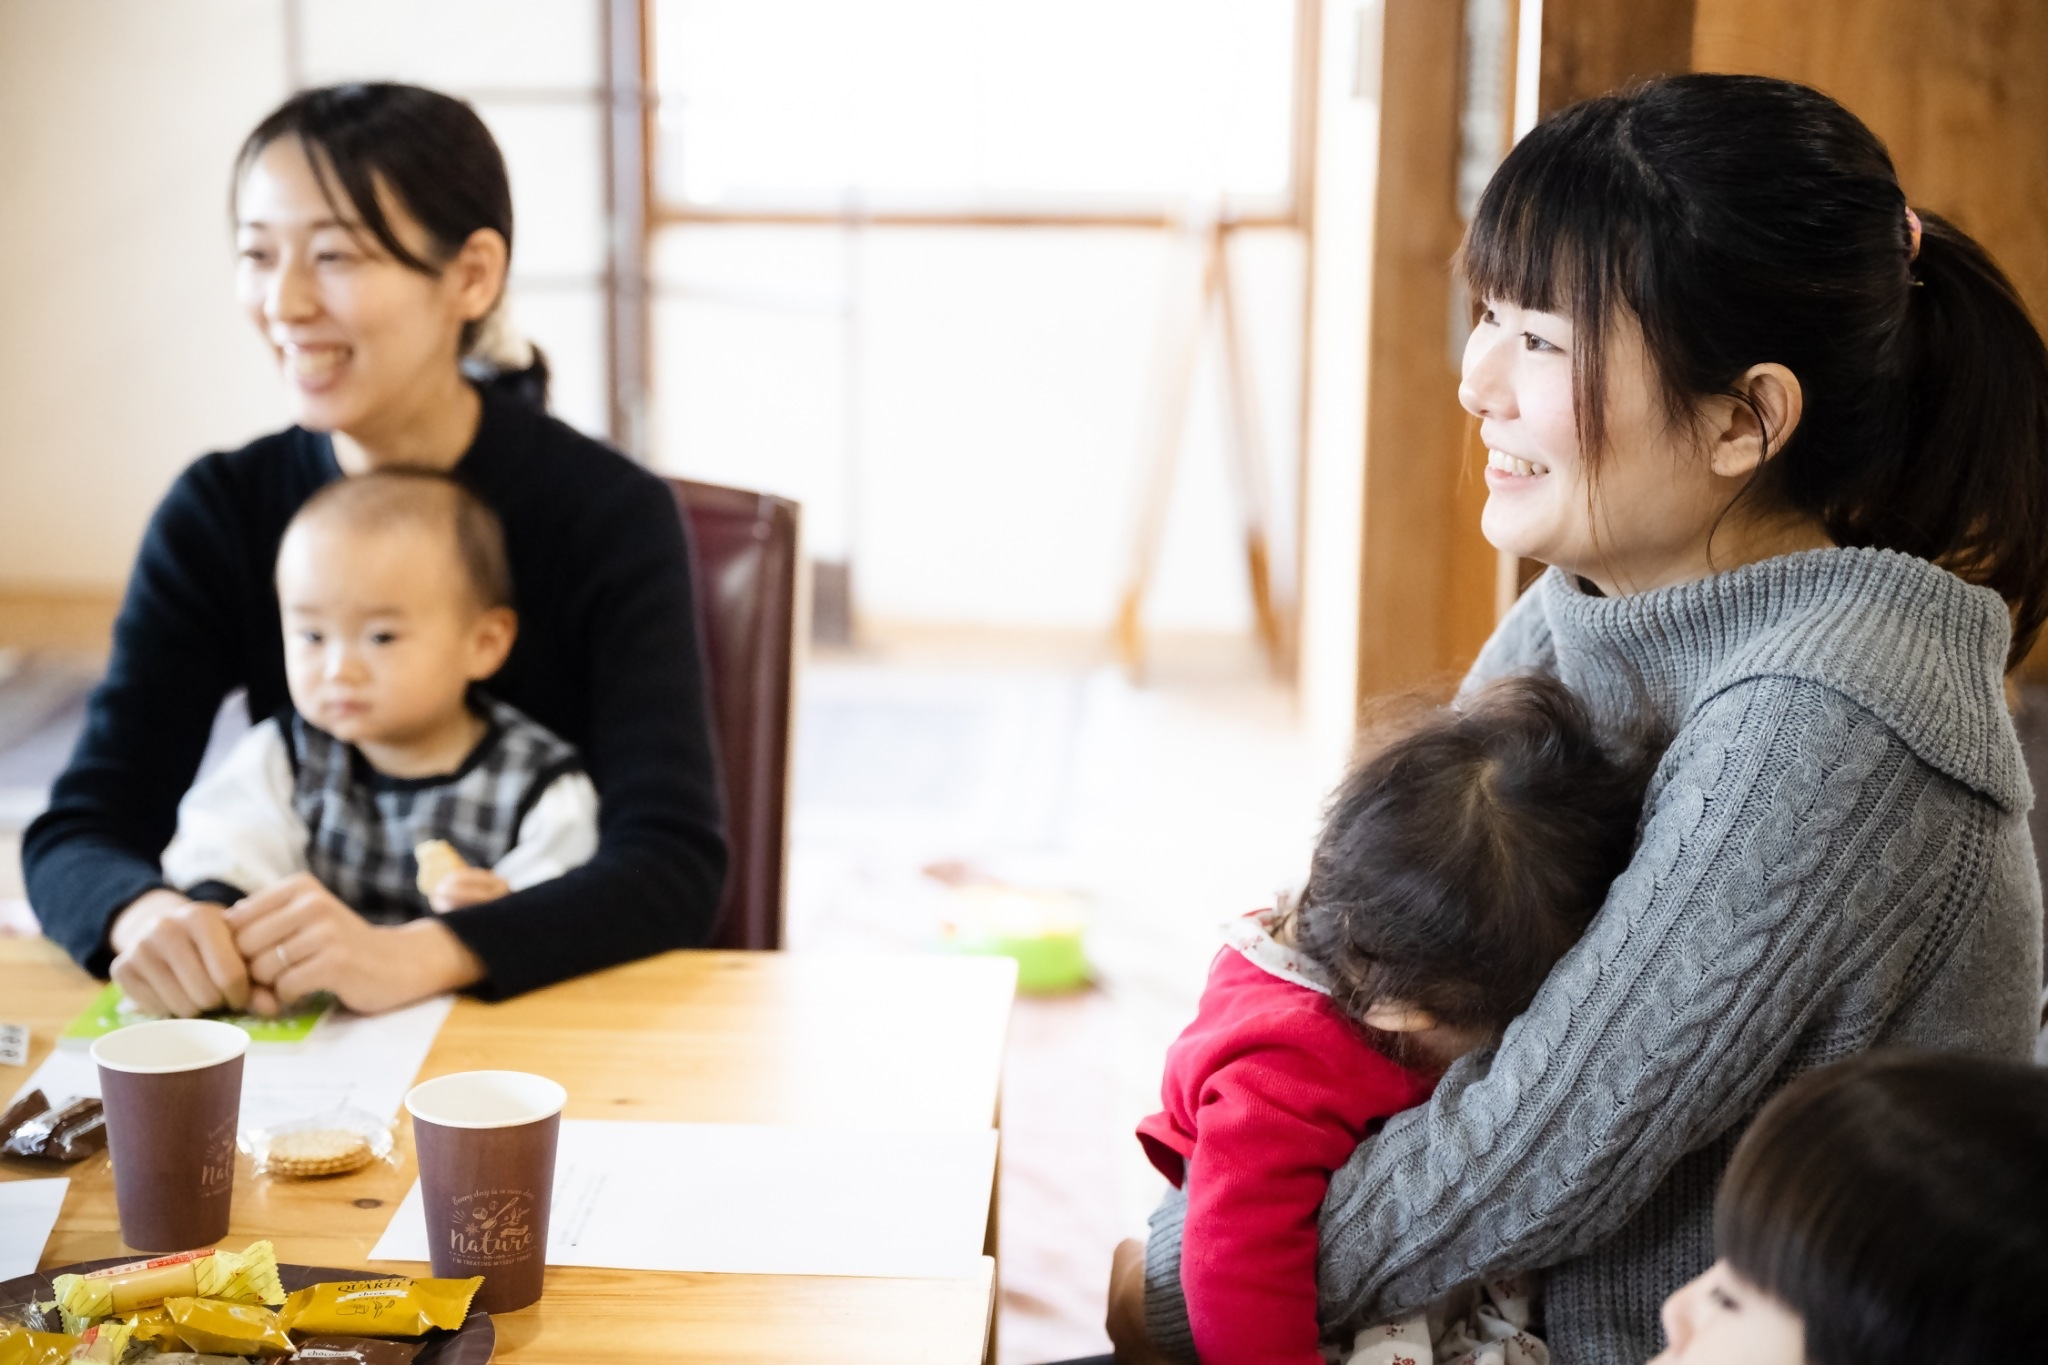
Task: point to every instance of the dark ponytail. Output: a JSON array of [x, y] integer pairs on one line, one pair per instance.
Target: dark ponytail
[[436, 158], [1744, 220], [1969, 494]]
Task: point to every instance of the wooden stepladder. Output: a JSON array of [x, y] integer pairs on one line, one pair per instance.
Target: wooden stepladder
[[1184, 324]]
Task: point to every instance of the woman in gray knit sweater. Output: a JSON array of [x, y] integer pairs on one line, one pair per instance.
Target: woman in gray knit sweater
[[1784, 443]]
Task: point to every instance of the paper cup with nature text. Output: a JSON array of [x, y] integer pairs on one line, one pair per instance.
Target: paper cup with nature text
[[173, 1092], [486, 1143]]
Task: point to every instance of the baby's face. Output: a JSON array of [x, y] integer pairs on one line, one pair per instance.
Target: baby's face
[[382, 632], [1722, 1319]]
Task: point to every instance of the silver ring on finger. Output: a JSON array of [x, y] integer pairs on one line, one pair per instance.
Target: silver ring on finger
[[284, 959]]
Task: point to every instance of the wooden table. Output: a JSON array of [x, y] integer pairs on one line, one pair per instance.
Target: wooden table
[[882, 1042]]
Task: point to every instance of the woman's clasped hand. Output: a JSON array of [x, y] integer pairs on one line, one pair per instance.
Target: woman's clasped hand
[[285, 943], [299, 939], [178, 956]]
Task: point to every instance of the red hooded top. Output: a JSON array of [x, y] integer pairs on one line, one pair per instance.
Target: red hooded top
[[1266, 1093]]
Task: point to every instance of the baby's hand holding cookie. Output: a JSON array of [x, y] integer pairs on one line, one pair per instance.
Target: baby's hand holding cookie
[[467, 886], [436, 860]]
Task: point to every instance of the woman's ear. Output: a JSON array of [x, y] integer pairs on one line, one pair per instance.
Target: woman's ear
[[1740, 443], [477, 274]]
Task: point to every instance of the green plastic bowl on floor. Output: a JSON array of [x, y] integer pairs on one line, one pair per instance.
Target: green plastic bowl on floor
[[1043, 936]]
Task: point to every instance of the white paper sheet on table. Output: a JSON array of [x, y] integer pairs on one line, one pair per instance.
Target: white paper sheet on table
[[28, 1210], [753, 1200], [352, 1060]]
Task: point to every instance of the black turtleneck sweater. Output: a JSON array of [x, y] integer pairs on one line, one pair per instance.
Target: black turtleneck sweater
[[607, 657]]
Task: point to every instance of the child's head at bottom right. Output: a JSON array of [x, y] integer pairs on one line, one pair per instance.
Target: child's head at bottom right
[[1889, 1209]]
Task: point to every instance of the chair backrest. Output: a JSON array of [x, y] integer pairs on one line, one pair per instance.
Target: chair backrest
[[745, 550]]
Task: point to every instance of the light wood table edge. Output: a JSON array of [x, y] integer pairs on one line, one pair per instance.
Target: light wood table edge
[[41, 987]]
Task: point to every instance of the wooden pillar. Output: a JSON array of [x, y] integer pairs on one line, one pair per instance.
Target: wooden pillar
[[1414, 531]]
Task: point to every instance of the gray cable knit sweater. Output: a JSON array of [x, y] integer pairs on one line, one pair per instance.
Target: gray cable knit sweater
[[1834, 857]]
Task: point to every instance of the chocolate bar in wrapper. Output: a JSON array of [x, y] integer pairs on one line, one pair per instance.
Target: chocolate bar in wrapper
[[231, 1329], [354, 1351], [21, 1111], [24, 1346], [390, 1307], [70, 1132], [154, 1327]]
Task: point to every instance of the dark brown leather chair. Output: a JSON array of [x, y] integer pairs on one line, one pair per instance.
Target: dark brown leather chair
[[745, 549]]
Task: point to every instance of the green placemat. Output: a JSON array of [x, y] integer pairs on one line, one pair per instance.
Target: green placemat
[[112, 1009]]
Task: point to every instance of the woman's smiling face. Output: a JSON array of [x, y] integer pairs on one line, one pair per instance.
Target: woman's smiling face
[[362, 340], [1645, 522]]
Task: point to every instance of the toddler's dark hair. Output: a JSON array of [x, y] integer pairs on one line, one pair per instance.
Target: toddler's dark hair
[[1458, 862], [429, 498], [1898, 1202]]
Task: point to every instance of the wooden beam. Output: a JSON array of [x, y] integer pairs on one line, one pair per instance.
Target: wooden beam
[[1415, 530]]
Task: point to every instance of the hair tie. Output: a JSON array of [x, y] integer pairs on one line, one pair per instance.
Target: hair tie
[[497, 344], [1913, 228]]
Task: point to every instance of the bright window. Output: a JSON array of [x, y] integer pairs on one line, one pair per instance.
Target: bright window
[[909, 269], [974, 106]]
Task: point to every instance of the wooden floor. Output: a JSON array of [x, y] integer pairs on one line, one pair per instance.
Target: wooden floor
[[72, 622], [1164, 810]]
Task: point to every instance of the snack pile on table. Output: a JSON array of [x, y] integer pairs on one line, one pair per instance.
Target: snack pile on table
[[214, 1307]]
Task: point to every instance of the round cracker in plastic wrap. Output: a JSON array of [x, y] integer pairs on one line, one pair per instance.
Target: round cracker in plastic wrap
[[338, 1142]]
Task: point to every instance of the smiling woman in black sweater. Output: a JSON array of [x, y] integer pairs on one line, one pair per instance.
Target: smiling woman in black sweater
[[374, 227]]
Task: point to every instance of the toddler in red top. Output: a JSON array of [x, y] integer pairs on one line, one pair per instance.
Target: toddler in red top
[[1458, 861]]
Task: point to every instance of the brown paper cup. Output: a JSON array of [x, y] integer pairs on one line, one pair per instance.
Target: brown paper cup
[[173, 1091], [486, 1142]]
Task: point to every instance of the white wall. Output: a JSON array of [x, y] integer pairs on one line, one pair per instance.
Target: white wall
[[122, 355]]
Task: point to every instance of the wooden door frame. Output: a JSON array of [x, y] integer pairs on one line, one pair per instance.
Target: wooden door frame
[[1431, 588]]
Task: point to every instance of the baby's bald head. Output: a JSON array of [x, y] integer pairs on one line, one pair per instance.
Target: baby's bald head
[[420, 500]]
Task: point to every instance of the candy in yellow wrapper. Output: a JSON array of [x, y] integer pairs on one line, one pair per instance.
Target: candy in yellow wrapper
[[20, 1346], [103, 1344], [393, 1307], [218, 1327], [154, 1326], [248, 1276]]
